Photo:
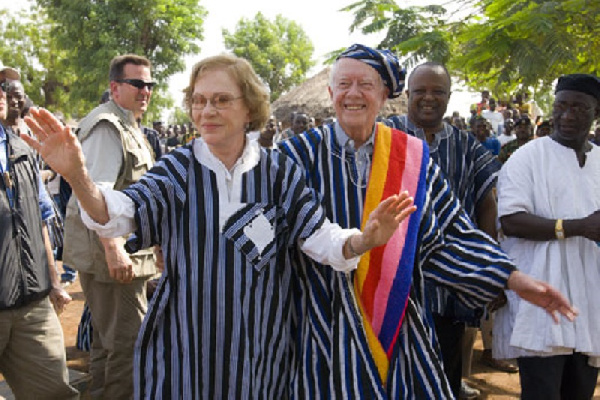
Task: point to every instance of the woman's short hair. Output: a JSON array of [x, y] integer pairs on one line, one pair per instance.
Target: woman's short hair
[[254, 91]]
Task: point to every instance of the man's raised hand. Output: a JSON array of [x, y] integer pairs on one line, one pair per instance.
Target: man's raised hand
[[384, 221]]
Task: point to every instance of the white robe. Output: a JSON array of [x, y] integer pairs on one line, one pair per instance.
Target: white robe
[[544, 178]]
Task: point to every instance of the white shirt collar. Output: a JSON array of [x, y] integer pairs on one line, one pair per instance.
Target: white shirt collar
[[248, 160], [346, 142], [229, 181]]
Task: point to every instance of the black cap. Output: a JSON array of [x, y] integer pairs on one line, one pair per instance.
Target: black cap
[[584, 83]]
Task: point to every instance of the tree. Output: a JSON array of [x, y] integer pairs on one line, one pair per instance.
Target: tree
[[418, 32], [28, 46], [503, 45], [280, 51], [530, 43], [179, 116], [93, 32]]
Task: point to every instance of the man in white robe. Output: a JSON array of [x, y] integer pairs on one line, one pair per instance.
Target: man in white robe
[[549, 209]]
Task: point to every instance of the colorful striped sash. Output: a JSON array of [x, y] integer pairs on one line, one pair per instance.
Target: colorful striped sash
[[384, 275]]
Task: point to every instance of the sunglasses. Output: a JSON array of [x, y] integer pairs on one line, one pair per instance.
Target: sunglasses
[[137, 83], [4, 85]]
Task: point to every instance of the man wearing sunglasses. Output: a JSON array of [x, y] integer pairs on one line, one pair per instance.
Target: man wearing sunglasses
[[114, 282]]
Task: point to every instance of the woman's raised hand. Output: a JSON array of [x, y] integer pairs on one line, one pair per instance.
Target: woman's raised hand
[[58, 146]]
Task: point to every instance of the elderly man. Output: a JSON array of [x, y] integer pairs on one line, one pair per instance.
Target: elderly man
[[369, 334], [32, 349], [113, 282], [471, 171], [549, 209]]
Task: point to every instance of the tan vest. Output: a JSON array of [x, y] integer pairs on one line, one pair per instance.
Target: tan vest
[[83, 249]]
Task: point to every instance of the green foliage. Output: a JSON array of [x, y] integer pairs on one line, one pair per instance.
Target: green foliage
[[280, 51], [502, 45], [418, 32], [179, 117], [88, 34], [28, 46], [527, 44]]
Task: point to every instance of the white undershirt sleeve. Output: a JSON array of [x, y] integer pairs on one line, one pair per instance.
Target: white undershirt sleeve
[[326, 246], [121, 213]]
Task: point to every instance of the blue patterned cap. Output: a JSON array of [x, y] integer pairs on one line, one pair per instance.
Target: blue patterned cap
[[384, 62]]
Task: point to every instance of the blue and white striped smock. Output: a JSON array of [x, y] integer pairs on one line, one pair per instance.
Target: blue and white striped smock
[[332, 358], [472, 172], [218, 326]]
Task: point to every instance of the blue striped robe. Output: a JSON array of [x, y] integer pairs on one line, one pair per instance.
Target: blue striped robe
[[218, 326], [331, 355], [471, 169], [472, 172]]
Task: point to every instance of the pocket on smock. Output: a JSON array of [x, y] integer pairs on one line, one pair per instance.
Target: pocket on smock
[[257, 230]]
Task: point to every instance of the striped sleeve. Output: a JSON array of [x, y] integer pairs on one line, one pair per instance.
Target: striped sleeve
[[304, 214], [158, 195], [458, 255]]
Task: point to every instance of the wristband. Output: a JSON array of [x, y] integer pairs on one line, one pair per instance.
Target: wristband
[[558, 229]]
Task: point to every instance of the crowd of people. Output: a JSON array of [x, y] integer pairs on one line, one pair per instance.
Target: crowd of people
[[354, 257]]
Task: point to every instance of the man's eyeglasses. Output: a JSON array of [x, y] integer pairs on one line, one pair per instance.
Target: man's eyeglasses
[[137, 83], [219, 101], [4, 85]]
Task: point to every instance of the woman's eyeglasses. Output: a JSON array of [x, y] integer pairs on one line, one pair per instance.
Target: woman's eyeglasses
[[218, 101]]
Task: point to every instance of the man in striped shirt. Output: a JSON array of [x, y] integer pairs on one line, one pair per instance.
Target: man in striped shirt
[[332, 354]]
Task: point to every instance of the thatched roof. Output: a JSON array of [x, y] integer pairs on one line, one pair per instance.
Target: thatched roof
[[312, 98]]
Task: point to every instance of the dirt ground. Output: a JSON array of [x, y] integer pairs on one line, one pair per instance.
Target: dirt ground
[[491, 383]]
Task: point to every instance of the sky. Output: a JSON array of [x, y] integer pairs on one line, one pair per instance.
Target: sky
[[326, 26]]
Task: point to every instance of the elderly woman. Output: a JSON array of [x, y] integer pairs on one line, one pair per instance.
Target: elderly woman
[[227, 215]]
